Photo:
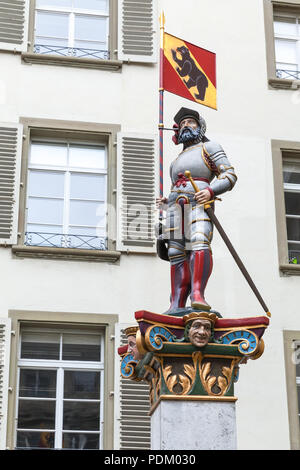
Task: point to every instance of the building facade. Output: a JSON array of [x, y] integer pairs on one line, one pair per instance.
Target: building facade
[[79, 174]]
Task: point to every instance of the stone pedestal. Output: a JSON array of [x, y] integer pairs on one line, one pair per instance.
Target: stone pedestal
[[193, 425]]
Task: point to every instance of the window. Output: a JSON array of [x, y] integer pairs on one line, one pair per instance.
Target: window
[[67, 180], [292, 365], [291, 177], [66, 195], [287, 45], [77, 28], [62, 363], [286, 177], [132, 410], [97, 34], [282, 32], [297, 360], [76, 190], [60, 389]]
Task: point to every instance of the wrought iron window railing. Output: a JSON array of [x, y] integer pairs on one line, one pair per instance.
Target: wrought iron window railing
[[58, 240], [288, 74], [78, 52]]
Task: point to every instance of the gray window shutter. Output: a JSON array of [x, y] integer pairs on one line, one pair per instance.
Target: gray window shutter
[[10, 165], [136, 188], [5, 332], [14, 25], [134, 421], [137, 31]]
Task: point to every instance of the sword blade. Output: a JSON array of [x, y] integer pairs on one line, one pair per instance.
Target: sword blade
[[236, 257]]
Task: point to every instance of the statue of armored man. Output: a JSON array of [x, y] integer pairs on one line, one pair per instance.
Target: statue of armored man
[[185, 239]]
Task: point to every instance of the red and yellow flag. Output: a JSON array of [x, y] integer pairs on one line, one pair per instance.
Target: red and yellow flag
[[189, 71]]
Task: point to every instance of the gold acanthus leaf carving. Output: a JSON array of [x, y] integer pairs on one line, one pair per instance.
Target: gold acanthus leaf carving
[[226, 371], [223, 382], [206, 370], [185, 381], [209, 381], [172, 381], [190, 371]]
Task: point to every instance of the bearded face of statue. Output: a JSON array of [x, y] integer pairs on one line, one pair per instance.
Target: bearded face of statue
[[200, 332], [189, 131]]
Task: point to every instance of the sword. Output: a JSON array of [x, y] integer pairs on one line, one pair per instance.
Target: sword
[[210, 212]]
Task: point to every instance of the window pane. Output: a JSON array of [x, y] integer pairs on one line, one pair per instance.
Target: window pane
[[48, 154], [90, 28], [39, 439], [293, 229], [37, 383], [81, 347], [297, 354], [85, 186], [81, 416], [40, 346], [82, 384], [96, 50], [292, 203], [80, 441], [294, 255], [99, 231], [85, 213], [297, 360], [285, 51], [92, 4], [53, 25], [84, 231], [36, 414], [288, 67], [291, 173], [45, 211], [46, 183], [285, 26], [53, 3], [52, 46], [44, 228], [87, 157]]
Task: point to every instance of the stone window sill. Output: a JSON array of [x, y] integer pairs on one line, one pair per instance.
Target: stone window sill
[[290, 269], [111, 65], [283, 84], [24, 251]]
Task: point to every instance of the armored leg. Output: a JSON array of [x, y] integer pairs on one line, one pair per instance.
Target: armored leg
[[180, 276], [200, 235], [201, 264]]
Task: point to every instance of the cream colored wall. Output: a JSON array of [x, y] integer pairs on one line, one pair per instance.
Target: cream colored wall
[[249, 115]]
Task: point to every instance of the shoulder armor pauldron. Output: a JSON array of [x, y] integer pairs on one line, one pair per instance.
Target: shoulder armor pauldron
[[208, 162]]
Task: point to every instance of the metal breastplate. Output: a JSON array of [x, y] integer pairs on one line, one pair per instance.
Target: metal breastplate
[[191, 159]]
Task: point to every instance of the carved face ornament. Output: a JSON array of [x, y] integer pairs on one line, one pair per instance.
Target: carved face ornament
[[132, 347], [200, 332]]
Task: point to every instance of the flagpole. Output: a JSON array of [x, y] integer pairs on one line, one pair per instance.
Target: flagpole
[[161, 105]]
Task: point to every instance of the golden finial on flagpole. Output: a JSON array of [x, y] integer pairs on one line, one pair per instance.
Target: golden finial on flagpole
[[162, 19]]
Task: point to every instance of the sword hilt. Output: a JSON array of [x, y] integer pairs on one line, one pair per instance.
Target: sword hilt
[[196, 189]]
